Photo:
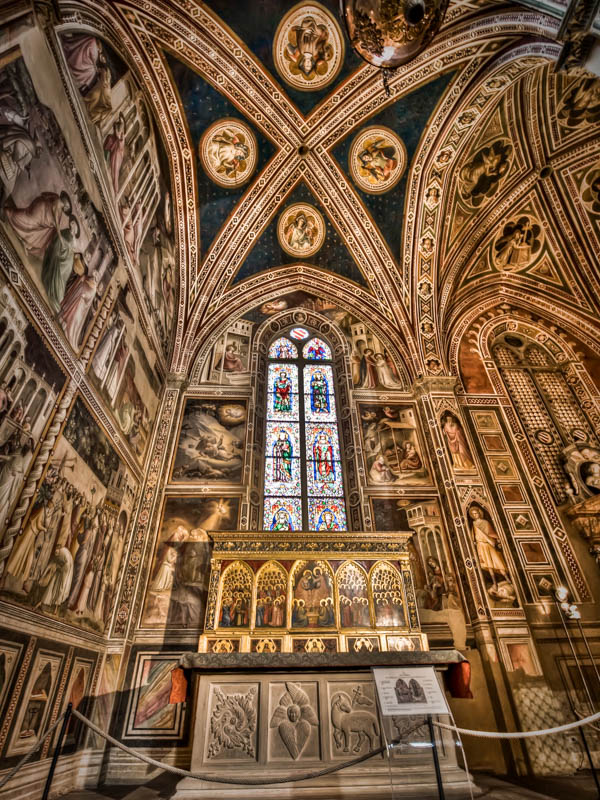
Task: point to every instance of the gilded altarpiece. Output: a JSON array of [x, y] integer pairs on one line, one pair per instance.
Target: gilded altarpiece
[[311, 592]]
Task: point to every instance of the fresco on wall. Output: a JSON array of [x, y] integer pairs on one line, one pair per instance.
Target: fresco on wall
[[122, 372], [178, 584], [392, 445], [50, 219], [30, 383], [457, 443], [150, 714], [372, 364], [65, 562], [35, 704], [105, 696], [136, 166], [492, 561], [434, 574], [211, 441]]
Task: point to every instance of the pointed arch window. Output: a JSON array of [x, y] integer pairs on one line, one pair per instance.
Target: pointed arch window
[[303, 486]]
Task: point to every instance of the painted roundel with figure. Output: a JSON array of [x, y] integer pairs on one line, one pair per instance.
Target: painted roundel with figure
[[377, 160], [228, 152], [301, 230], [308, 48]]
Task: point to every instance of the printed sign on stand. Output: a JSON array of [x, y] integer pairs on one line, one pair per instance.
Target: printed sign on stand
[[409, 690]]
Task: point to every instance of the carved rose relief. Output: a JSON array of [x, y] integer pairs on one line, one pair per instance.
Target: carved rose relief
[[233, 723]]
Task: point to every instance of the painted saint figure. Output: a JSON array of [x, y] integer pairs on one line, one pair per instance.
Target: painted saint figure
[[457, 442], [282, 394], [282, 458], [311, 51], [487, 542], [379, 160], [319, 393], [324, 467], [327, 521], [281, 521]]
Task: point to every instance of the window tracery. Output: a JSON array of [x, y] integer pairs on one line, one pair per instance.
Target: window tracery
[[303, 481]]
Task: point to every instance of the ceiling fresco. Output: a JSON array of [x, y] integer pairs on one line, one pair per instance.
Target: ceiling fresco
[[412, 199]]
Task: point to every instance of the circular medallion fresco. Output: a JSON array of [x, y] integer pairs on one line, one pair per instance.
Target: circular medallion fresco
[[301, 230], [228, 152], [377, 160], [308, 48]]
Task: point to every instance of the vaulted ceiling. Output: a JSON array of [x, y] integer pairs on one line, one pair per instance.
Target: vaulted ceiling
[[487, 187]]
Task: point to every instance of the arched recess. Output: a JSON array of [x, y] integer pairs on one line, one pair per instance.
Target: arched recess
[[270, 329], [352, 586], [429, 296], [257, 291], [548, 387], [270, 596], [476, 315], [235, 598]]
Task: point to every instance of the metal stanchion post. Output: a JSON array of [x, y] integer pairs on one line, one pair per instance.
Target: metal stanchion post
[[436, 759], [54, 762], [585, 686]]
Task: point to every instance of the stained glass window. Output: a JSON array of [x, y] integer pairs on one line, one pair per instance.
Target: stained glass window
[[316, 350], [283, 348], [304, 487]]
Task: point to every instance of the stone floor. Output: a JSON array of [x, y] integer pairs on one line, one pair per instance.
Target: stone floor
[[578, 787]]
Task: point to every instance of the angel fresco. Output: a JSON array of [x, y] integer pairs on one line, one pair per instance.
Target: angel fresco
[[378, 159], [481, 176], [309, 50], [228, 152], [300, 233]]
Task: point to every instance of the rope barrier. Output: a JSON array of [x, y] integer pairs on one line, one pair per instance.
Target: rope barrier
[[217, 779], [521, 734], [33, 750], [289, 779]]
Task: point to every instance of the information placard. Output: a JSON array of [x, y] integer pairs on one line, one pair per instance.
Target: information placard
[[409, 690]]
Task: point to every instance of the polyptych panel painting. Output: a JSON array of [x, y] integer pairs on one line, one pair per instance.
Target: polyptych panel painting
[[65, 561], [123, 370], [46, 211], [211, 441], [178, 584], [136, 166], [392, 445], [30, 384]]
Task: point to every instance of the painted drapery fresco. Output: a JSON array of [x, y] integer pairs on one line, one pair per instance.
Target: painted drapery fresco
[[136, 167], [66, 561], [177, 588], [30, 384], [211, 442], [46, 212], [123, 373]]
